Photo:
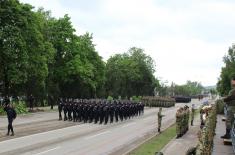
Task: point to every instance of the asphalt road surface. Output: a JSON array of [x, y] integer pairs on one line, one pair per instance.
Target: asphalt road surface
[[85, 139]]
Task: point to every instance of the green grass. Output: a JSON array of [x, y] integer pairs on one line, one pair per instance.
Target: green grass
[[156, 143]]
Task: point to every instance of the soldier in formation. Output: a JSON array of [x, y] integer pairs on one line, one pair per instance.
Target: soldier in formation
[[98, 111], [153, 101], [182, 121]]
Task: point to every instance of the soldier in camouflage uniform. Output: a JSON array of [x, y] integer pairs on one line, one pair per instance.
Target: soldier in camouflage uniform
[[178, 123], [159, 116], [187, 112], [192, 114], [230, 102]]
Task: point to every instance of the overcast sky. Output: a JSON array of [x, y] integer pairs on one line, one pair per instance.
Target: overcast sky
[[187, 39]]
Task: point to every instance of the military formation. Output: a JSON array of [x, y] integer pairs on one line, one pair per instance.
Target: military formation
[[182, 99], [98, 111], [207, 132], [182, 121], [153, 101]]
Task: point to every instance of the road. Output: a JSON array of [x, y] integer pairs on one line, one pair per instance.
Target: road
[[89, 138]]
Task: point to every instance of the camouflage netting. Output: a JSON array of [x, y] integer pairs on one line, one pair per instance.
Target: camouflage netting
[[206, 134], [151, 101]]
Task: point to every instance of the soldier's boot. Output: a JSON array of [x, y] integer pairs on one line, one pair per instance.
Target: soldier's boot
[[101, 121], [65, 118], [12, 134], [116, 119], [178, 136], [227, 134], [159, 130], [91, 120], [106, 121], [60, 117]]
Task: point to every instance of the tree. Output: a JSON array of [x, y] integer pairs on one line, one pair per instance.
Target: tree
[[188, 89], [13, 46], [40, 52], [130, 74], [223, 84]]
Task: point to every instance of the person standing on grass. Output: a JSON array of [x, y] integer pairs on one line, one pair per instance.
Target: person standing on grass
[[11, 115]]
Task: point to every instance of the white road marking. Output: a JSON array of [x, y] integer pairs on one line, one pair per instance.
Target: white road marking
[[43, 133], [128, 124], [148, 118], [97, 135], [47, 150]]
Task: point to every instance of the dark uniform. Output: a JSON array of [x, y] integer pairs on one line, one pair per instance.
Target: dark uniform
[[11, 115], [60, 108], [70, 109], [99, 110], [65, 108], [106, 113]]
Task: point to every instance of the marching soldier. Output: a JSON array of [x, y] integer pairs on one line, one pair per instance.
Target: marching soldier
[[60, 107], [74, 109], [65, 108], [106, 112], [70, 108], [178, 122], [111, 113], [116, 110]]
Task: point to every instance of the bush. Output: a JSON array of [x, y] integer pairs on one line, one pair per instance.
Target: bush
[[136, 98], [110, 98], [2, 112], [20, 108]]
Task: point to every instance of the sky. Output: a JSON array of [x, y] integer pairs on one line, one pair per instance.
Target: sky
[[186, 38]]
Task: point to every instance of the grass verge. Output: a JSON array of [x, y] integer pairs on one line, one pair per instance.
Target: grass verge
[[156, 143]]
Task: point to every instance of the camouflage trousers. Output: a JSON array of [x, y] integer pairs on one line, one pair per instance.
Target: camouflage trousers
[[159, 123], [178, 127], [230, 117]]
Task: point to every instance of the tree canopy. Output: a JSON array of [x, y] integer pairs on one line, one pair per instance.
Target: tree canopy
[[130, 73], [223, 84], [43, 56]]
